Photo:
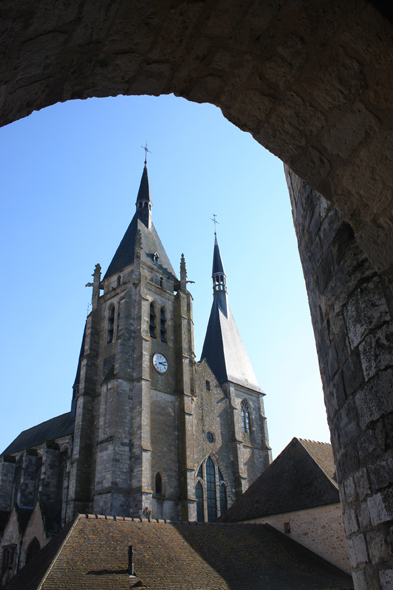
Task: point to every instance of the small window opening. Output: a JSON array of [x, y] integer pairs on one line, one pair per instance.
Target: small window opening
[[158, 484], [199, 499], [210, 437], [111, 323], [163, 325], [119, 281], [118, 321], [32, 550], [8, 558], [207, 385], [287, 528], [161, 282], [152, 324], [245, 417]]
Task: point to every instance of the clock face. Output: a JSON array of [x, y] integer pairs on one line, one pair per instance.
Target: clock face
[[160, 363]]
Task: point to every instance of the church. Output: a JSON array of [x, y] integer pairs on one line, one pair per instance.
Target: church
[[152, 432]]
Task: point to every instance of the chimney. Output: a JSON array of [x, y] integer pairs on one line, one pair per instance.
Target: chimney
[[131, 561]]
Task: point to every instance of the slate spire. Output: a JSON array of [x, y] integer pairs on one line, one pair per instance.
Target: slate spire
[[151, 243], [223, 347]]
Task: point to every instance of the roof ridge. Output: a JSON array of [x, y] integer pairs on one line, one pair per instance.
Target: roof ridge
[[114, 518]]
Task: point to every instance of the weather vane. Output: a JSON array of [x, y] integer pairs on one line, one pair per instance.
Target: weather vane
[[214, 220], [144, 147]]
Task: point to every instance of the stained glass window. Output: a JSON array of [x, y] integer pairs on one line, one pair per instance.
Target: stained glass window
[[211, 491]]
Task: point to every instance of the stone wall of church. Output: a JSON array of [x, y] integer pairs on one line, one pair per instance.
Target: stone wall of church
[[319, 529], [165, 454], [352, 309], [7, 476]]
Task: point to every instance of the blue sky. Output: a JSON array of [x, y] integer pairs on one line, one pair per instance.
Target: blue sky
[[69, 177]]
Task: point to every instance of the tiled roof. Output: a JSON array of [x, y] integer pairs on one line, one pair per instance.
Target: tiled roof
[[51, 429], [300, 477], [30, 577], [183, 556]]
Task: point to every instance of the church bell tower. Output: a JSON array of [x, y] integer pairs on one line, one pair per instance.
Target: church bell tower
[[157, 433]]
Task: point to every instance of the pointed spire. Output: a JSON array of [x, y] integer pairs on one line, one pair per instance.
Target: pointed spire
[[144, 188], [218, 272], [223, 347]]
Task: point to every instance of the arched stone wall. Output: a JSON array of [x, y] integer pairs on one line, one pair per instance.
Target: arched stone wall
[[352, 313], [313, 82]]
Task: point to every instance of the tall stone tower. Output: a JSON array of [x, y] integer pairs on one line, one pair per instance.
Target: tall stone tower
[[151, 432], [227, 357]]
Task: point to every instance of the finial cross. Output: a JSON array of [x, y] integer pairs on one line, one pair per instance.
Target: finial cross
[[146, 150], [214, 220]]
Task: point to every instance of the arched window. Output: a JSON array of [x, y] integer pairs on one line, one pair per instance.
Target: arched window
[[111, 323], [158, 484], [152, 321], [119, 281], [199, 499], [163, 325], [245, 417], [161, 282], [211, 491], [200, 472], [118, 321], [223, 499], [32, 549]]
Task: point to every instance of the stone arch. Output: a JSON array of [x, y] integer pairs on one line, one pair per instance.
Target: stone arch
[[313, 90]]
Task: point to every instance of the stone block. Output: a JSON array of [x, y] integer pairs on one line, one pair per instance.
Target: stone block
[[361, 484], [381, 507], [364, 516], [376, 351], [367, 444], [350, 131], [386, 578], [366, 310], [350, 522], [325, 272], [347, 424], [336, 80], [381, 473], [375, 398], [349, 490], [352, 373], [377, 546], [357, 550]]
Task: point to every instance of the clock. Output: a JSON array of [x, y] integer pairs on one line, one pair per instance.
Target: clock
[[160, 363]]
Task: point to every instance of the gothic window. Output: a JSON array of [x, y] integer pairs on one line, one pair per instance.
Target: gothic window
[[118, 321], [245, 417], [211, 491], [199, 499], [163, 325], [8, 558], [32, 549], [223, 498], [161, 282], [152, 321], [118, 281], [200, 472], [111, 323], [158, 484]]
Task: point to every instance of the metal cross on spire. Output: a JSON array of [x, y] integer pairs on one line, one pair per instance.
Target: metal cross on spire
[[146, 150], [214, 220]]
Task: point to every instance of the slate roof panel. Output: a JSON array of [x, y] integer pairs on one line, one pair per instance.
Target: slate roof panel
[[184, 556], [296, 480], [57, 427]]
